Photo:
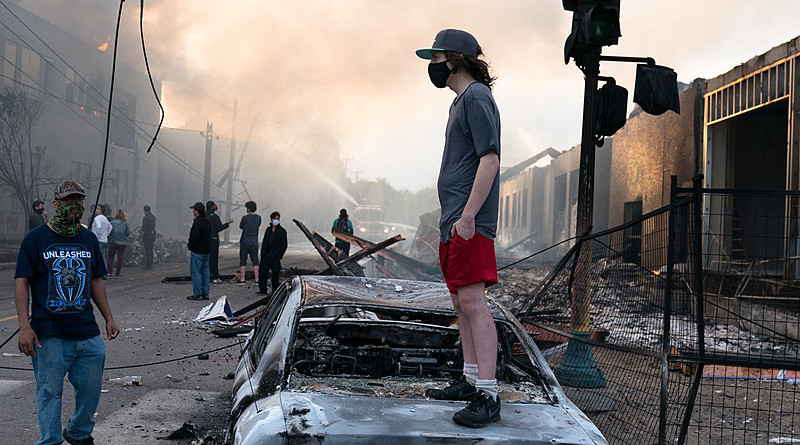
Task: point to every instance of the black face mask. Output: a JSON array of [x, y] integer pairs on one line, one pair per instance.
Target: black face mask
[[439, 73], [39, 210]]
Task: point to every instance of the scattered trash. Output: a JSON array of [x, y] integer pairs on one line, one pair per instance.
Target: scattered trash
[[232, 332], [128, 380], [12, 354], [398, 288], [169, 376], [103, 391], [203, 356], [369, 286], [220, 310], [187, 431], [204, 374], [228, 376]]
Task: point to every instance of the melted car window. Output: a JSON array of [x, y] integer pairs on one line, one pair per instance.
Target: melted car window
[[266, 325]]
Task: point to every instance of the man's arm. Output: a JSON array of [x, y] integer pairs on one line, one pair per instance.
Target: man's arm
[[100, 299], [27, 338], [487, 170]]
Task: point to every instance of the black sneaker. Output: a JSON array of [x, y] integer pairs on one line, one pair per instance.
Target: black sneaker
[[482, 411], [461, 389], [195, 297], [204, 296], [73, 441]]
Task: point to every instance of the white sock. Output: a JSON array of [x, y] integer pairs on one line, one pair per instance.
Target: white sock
[[488, 386], [471, 372]]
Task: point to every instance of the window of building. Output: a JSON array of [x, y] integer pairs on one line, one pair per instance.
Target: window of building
[[525, 208], [82, 172], [31, 70], [505, 215], [9, 63]]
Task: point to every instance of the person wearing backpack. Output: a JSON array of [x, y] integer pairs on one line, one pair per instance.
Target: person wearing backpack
[[342, 224]]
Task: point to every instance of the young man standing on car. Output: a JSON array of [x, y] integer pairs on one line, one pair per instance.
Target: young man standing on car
[[468, 194], [60, 270]]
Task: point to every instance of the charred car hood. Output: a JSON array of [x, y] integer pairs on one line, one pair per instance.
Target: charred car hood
[[299, 418]]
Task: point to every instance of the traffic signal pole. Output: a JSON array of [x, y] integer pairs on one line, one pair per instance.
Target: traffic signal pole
[[578, 367], [581, 284]]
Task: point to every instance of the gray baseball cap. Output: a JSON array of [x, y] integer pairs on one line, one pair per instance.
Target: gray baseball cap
[[451, 40]]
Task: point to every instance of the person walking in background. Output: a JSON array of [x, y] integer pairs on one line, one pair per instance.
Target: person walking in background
[[248, 243], [58, 276], [148, 237], [469, 192], [39, 215], [118, 240], [200, 244], [273, 246], [342, 224], [216, 227], [101, 227]]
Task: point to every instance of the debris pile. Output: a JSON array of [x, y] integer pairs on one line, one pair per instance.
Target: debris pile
[[165, 250]]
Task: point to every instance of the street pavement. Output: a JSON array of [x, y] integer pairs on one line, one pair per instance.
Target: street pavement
[[156, 323]]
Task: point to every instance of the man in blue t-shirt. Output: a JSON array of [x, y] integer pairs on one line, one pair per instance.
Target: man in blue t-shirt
[[59, 273]]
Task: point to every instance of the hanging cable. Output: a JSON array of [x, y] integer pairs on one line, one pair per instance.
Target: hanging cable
[[142, 365], [108, 116], [149, 75]]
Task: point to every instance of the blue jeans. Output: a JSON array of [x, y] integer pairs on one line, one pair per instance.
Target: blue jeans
[[82, 361], [201, 277]]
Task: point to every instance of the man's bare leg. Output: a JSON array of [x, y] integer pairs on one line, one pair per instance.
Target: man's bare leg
[[465, 333], [475, 311], [242, 271], [255, 272]]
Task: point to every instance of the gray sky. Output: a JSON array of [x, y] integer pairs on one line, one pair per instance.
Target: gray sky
[[348, 66]]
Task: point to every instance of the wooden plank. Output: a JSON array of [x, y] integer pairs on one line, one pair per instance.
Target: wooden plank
[[321, 250], [407, 262]]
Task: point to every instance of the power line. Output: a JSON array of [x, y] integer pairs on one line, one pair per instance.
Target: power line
[[108, 118], [149, 75]]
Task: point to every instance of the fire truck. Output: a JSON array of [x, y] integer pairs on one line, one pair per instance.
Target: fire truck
[[368, 222]]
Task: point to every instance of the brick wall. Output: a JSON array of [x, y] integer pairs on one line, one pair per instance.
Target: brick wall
[[646, 152]]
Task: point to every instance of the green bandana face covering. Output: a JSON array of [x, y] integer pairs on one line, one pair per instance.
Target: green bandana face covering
[[67, 220]]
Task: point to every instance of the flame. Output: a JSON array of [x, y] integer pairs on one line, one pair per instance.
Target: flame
[[657, 272], [102, 46]]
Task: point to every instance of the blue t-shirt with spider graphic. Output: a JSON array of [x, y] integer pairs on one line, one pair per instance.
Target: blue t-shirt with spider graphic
[[60, 270]]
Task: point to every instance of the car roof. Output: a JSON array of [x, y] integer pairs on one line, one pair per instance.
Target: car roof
[[417, 296]]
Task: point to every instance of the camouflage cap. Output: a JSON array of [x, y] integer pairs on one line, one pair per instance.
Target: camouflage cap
[[66, 188]]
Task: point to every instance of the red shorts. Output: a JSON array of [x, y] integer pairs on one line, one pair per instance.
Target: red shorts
[[466, 262]]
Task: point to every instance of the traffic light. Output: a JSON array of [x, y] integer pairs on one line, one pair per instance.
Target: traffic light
[[595, 23], [612, 105], [656, 89]]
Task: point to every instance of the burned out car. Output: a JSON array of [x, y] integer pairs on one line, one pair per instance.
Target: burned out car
[[345, 360]]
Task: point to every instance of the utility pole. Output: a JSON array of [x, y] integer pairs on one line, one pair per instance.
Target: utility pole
[[229, 195], [209, 134]]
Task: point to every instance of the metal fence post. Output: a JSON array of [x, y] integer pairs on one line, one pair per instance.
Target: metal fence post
[[665, 346], [700, 320]]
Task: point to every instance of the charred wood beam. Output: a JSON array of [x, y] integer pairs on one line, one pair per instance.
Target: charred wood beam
[[321, 250], [520, 242], [367, 251], [407, 262]]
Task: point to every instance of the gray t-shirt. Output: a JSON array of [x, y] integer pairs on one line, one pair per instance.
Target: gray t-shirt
[[249, 225], [473, 131]]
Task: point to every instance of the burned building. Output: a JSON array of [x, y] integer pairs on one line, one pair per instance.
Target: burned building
[[538, 205], [68, 136], [738, 129], [751, 141]]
